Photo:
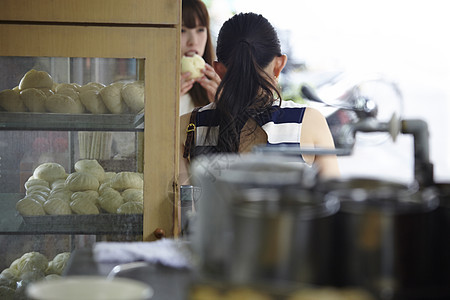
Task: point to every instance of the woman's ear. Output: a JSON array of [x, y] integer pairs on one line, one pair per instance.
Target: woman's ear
[[280, 63], [219, 68]]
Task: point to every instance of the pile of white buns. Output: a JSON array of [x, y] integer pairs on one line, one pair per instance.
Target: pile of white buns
[[30, 267], [37, 92], [89, 190]]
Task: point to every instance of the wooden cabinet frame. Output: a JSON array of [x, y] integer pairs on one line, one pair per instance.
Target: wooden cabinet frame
[[157, 45], [156, 12]]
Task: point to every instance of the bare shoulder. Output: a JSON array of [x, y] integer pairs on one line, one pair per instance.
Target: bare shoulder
[[316, 133], [313, 115], [315, 128], [314, 120]]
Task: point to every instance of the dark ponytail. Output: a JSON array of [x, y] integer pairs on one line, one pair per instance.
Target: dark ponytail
[[247, 43]]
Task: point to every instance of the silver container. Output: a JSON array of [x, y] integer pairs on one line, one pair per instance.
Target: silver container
[[387, 241], [189, 196], [282, 235], [259, 220]]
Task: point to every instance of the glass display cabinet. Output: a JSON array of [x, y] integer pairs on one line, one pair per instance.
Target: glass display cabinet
[[95, 82]]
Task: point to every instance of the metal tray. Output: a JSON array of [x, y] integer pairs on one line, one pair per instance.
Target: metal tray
[[85, 224], [75, 122]]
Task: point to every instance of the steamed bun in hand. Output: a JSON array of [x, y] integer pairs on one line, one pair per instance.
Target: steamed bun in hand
[[193, 64]]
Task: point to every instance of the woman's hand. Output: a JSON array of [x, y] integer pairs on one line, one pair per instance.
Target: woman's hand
[[185, 83], [210, 82]]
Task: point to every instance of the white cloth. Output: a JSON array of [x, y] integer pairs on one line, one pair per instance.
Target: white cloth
[[169, 252]]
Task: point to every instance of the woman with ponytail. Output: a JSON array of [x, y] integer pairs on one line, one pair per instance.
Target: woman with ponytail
[[248, 109]]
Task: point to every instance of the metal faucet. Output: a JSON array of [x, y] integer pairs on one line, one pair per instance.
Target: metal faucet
[[366, 110]]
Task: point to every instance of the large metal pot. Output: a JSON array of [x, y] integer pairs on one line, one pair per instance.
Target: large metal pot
[[259, 219], [387, 240], [282, 234]]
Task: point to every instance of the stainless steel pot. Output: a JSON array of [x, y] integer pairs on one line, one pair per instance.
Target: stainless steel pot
[[282, 234], [387, 240], [259, 219]]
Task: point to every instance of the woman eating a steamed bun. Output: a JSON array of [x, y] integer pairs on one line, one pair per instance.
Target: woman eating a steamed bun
[[196, 40]]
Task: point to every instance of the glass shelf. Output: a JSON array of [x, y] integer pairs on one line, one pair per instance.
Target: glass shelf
[[71, 122]]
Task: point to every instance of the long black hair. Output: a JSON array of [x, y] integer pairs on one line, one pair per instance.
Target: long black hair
[[247, 43], [193, 10]]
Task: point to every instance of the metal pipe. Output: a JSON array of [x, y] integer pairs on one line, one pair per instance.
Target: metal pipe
[[423, 168], [371, 125]]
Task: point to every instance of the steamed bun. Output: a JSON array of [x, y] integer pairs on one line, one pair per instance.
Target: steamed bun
[[50, 172], [82, 181], [127, 180], [10, 101], [9, 277], [193, 64], [35, 181], [84, 206], [61, 194], [29, 207], [38, 190], [37, 196], [93, 102], [133, 195], [72, 93], [90, 166], [108, 176], [90, 195], [58, 264], [110, 201], [56, 206], [91, 86], [133, 95], [63, 104], [31, 261], [112, 98], [36, 79], [73, 86], [46, 91], [131, 208], [33, 99]]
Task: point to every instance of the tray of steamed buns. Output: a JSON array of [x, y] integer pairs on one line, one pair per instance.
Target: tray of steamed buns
[[88, 196], [37, 95]]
